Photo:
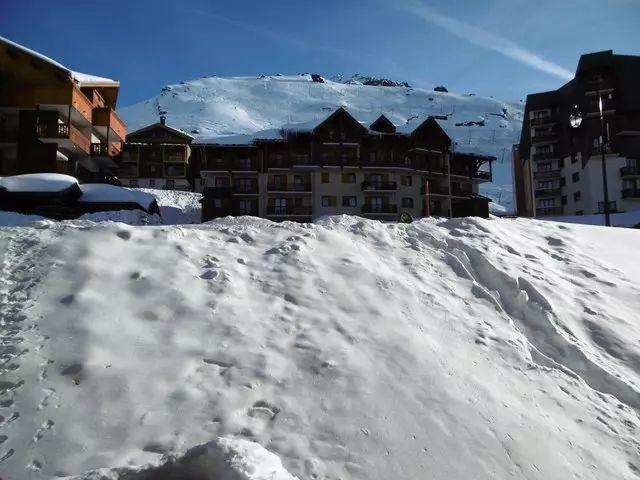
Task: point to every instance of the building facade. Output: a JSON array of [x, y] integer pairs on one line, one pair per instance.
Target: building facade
[[558, 168], [156, 156], [55, 120], [340, 166]]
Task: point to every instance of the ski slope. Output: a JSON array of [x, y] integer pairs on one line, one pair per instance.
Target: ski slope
[[245, 349], [212, 107]]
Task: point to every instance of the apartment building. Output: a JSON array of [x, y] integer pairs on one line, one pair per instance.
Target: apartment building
[[155, 156], [340, 166], [557, 167], [53, 119]]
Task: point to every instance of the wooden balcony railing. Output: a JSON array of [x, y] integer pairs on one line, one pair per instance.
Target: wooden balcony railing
[[247, 189], [288, 210], [548, 192], [82, 104], [107, 117], [64, 131], [105, 149], [435, 190], [630, 171], [376, 208], [379, 186], [553, 173], [289, 187]]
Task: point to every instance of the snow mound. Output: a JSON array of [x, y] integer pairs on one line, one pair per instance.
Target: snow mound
[[37, 182], [231, 109], [348, 348], [177, 207], [222, 459], [103, 193]]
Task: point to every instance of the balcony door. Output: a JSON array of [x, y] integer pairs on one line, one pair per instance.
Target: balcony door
[[280, 206]]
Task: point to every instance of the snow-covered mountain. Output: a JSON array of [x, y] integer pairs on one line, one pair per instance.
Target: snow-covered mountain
[[217, 106], [349, 348]]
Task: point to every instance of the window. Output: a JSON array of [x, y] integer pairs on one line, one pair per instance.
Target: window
[[280, 206], [329, 201], [563, 200], [547, 203], [545, 185], [152, 183], [561, 163], [332, 134], [244, 163], [407, 202], [170, 185], [544, 167], [376, 203], [220, 162], [348, 178], [217, 203], [543, 149], [563, 181], [221, 182], [613, 207], [343, 136], [133, 183], [372, 157], [406, 180], [576, 196], [244, 207], [244, 185], [302, 159], [324, 176], [575, 177], [349, 201]]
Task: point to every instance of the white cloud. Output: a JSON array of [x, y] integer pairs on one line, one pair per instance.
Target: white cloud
[[483, 38]]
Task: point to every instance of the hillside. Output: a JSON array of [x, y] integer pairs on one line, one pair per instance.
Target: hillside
[[353, 349], [215, 106]]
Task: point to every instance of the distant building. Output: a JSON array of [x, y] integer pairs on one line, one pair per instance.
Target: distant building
[[558, 169], [155, 156], [53, 119], [338, 166]]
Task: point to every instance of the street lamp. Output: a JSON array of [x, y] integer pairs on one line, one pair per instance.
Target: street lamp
[[575, 120]]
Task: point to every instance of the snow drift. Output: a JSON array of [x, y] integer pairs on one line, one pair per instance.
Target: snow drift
[[451, 348], [215, 107]]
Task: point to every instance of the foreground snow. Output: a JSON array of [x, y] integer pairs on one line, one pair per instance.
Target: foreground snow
[[485, 349]]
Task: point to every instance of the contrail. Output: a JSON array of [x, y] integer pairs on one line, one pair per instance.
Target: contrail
[[483, 38]]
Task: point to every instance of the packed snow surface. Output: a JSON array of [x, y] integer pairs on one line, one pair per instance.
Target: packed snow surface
[[177, 207], [37, 182], [100, 192], [230, 110], [349, 348]]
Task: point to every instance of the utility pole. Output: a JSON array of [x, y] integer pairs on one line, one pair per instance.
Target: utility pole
[[607, 216]]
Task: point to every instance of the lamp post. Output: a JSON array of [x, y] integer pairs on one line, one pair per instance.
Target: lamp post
[[575, 120]]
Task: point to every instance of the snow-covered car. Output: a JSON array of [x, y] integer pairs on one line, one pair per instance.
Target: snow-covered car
[[61, 197]]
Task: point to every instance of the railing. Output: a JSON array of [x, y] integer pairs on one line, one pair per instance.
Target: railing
[[248, 189], [82, 104], [174, 170], [288, 210], [483, 174], [64, 131], [547, 173], [629, 170], [543, 137], [434, 190], [631, 193], [545, 211], [104, 149], [289, 187], [243, 165], [375, 208], [107, 117], [544, 155], [379, 186], [128, 171], [431, 167], [548, 192], [459, 192], [543, 120]]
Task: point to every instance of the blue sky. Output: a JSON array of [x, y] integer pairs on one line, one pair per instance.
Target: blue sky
[[503, 48]]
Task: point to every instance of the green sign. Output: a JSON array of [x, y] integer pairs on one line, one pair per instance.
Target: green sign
[[405, 218]]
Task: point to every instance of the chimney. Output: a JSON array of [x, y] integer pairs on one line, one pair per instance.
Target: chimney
[[163, 119]]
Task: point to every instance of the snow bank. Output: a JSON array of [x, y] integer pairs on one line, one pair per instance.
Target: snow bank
[[177, 207], [222, 459], [38, 182], [445, 348], [103, 193]]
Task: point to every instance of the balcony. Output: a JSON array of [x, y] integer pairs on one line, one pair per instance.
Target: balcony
[[435, 190], [244, 165], [546, 120], [548, 211], [176, 170], [245, 189], [553, 173], [288, 211], [631, 193], [460, 192], [459, 171], [105, 149], [107, 121], [483, 175], [289, 187], [545, 137], [67, 136], [630, 171], [544, 155], [377, 209], [128, 171], [370, 186], [548, 192]]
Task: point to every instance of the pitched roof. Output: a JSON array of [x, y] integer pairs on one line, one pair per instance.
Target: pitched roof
[[81, 79], [174, 130]]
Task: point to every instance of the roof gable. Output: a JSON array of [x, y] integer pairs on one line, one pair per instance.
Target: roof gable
[[158, 132], [340, 114], [383, 124]]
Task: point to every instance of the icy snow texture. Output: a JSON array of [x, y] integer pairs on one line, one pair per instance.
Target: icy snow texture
[[216, 107], [37, 182], [460, 348]]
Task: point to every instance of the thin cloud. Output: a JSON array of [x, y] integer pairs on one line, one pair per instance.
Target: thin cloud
[[484, 39]]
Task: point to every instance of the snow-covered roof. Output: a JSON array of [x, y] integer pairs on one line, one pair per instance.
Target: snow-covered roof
[[102, 193], [163, 125], [37, 182], [82, 79]]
